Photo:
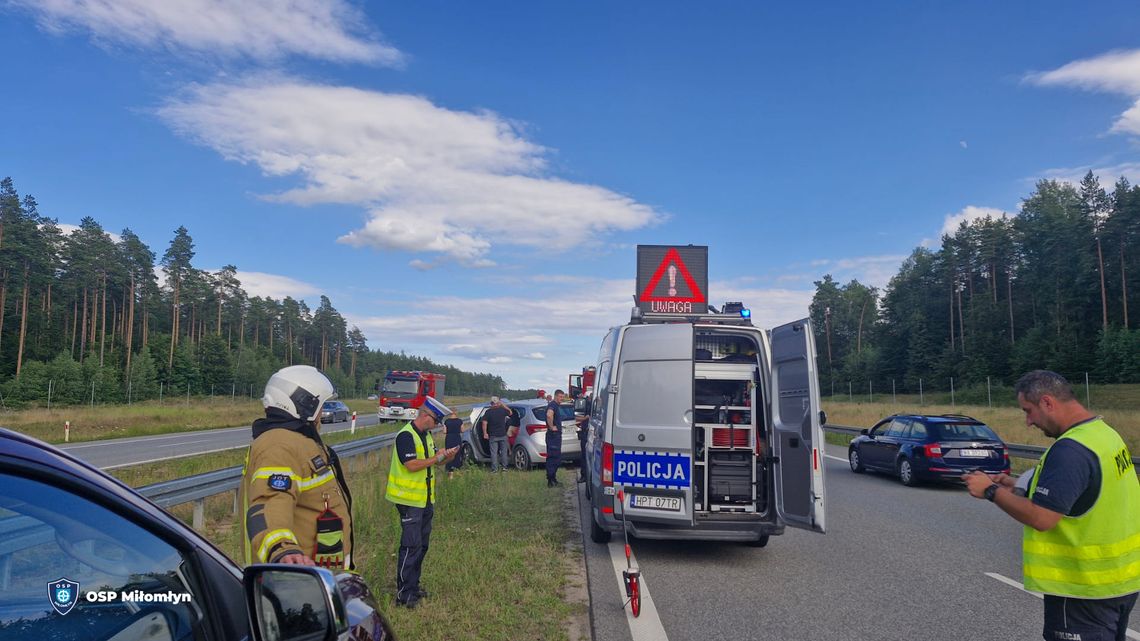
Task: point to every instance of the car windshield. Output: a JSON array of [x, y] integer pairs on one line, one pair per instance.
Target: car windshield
[[964, 432], [400, 388], [331, 405]]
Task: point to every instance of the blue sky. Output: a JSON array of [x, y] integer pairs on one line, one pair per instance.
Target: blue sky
[[468, 180]]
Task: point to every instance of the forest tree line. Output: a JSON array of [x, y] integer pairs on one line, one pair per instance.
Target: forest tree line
[[1052, 287], [83, 316]]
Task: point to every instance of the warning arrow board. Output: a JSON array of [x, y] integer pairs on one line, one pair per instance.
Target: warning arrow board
[[672, 279]]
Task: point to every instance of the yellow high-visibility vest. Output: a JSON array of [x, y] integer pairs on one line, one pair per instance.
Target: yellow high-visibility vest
[[410, 488], [1095, 555]]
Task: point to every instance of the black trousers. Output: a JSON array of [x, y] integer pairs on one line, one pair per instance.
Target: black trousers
[[415, 526], [1070, 619], [553, 454]]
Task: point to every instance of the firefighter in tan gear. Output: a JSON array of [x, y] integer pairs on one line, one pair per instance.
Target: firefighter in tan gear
[[297, 508]]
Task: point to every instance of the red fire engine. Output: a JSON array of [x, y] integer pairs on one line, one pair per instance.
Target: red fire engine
[[403, 393], [582, 383]]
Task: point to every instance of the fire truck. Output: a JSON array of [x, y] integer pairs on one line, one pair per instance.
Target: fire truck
[[403, 392], [581, 383]]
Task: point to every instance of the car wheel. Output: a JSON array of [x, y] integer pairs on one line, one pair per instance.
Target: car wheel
[[521, 458], [469, 454], [906, 473], [759, 543], [597, 533], [855, 461]]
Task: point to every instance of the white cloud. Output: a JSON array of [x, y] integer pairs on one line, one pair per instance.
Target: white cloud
[[67, 229], [257, 29], [1113, 72], [274, 285], [963, 145], [968, 214], [875, 271], [435, 181], [535, 356], [1107, 174]]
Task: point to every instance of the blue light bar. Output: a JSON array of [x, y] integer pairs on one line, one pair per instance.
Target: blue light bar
[[746, 313]]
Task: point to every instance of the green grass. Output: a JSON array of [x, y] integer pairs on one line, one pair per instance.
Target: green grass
[[151, 417]]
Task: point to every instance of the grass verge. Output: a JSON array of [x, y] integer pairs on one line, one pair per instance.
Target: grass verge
[[498, 546]]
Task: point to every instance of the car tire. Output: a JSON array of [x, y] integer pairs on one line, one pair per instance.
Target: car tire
[[906, 472], [521, 458], [469, 454], [597, 533], [759, 543], [855, 461]]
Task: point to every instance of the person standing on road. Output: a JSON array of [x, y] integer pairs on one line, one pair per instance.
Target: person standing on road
[[553, 439], [583, 424], [453, 427], [1081, 542], [411, 486], [494, 426], [296, 504]]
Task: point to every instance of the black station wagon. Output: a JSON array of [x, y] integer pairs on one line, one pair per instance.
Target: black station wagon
[[917, 447]]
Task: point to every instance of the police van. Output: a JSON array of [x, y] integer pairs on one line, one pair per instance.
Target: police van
[[711, 428]]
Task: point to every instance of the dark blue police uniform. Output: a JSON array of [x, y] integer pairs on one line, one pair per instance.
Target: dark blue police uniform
[[553, 446]]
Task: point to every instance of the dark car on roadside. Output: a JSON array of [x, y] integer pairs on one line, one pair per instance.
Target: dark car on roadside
[[84, 557], [922, 447], [334, 412]]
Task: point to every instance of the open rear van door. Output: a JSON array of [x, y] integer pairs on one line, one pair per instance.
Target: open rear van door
[[653, 422], [797, 434]]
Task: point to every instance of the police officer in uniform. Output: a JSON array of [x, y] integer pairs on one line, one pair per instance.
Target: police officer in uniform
[[553, 439], [1081, 511], [297, 508], [411, 486]]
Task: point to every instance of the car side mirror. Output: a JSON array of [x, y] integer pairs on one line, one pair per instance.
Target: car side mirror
[[865, 431], [822, 417], [287, 602]]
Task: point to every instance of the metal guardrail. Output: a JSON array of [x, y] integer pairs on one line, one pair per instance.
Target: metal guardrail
[[1015, 450], [197, 488]]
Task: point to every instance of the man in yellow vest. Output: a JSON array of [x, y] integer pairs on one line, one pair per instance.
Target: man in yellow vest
[[1081, 511], [411, 486], [296, 505]]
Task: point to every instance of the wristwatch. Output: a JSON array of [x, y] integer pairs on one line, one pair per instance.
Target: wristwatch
[[990, 492]]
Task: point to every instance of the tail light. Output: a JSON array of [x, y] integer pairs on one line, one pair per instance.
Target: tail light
[[932, 450], [607, 464], [1005, 456], [534, 427]]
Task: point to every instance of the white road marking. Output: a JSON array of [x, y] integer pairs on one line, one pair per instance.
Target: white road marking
[[647, 626], [1130, 633], [172, 457], [836, 458]]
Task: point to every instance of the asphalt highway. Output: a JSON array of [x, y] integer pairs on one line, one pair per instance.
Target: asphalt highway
[[896, 563], [121, 452]]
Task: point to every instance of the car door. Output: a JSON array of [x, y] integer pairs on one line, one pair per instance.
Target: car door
[[797, 433], [653, 421], [871, 450], [892, 442]]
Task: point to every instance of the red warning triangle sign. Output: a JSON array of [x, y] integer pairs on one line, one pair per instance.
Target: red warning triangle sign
[[673, 293]]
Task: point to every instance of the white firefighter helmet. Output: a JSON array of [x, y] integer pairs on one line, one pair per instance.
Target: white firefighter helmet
[[299, 391]]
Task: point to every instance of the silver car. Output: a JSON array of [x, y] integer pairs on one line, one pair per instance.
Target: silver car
[[528, 445]]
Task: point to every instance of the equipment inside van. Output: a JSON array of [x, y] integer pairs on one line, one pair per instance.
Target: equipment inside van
[[708, 426]]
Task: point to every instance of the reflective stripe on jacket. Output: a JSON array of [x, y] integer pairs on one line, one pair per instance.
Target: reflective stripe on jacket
[[411, 488], [286, 480], [1095, 555]]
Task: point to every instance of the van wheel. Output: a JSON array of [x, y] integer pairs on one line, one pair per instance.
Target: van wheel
[[597, 534], [855, 461], [521, 458], [759, 543], [906, 473]]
